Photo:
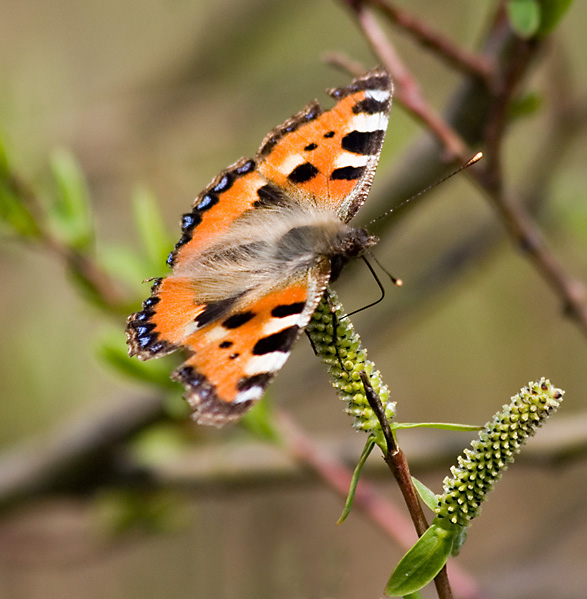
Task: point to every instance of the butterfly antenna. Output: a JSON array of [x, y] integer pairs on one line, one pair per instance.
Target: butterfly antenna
[[467, 164], [395, 281]]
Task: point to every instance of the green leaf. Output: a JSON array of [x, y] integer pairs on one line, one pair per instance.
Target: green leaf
[[151, 228], [459, 540], [428, 496], [259, 421], [525, 106], [13, 211], [355, 479], [15, 215], [112, 350], [71, 212], [4, 163], [524, 16], [118, 510], [552, 13], [125, 264], [159, 444], [423, 561]]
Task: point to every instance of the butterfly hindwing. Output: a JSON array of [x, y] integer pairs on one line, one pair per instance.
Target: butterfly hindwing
[[234, 359]]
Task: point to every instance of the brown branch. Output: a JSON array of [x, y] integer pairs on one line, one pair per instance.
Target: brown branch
[[77, 455], [98, 283], [407, 91], [398, 465], [443, 47], [369, 501], [101, 287], [515, 58]]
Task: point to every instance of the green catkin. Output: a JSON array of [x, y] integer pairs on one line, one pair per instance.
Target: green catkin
[[347, 381], [480, 467]]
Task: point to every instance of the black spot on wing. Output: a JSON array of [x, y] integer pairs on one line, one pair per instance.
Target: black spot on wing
[[311, 112], [141, 328], [226, 344], [270, 195], [207, 201], [214, 311], [225, 183], [288, 309], [329, 134], [363, 142], [144, 315], [150, 302], [370, 106], [310, 147], [237, 320], [245, 168], [303, 173], [348, 173], [190, 221], [143, 339], [280, 341], [258, 380]]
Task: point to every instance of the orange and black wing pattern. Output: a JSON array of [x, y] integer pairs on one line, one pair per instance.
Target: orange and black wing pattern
[[329, 157], [238, 341]]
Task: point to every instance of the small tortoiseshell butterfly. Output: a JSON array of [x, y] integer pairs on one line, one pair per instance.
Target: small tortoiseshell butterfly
[[259, 247]]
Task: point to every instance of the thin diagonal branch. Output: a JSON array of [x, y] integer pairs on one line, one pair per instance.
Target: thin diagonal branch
[[407, 91], [398, 465], [517, 56], [443, 48]]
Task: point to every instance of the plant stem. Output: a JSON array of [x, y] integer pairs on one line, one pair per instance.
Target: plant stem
[[398, 465]]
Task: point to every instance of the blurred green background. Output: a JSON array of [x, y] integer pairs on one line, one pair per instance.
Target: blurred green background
[[165, 94]]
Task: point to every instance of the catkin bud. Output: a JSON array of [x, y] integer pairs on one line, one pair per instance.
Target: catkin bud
[[344, 359], [480, 467]]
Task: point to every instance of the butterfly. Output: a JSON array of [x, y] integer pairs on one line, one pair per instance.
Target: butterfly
[[259, 247]]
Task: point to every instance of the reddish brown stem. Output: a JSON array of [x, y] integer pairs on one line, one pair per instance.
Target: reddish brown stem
[[407, 90], [444, 48], [367, 498], [398, 465]]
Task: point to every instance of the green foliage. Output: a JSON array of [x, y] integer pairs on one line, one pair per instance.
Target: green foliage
[[15, 216], [526, 106], [531, 18], [424, 560], [371, 442], [446, 426], [260, 422], [344, 358], [119, 511], [552, 13], [112, 350], [500, 440], [69, 212], [524, 16], [428, 496], [159, 444], [150, 225], [125, 264]]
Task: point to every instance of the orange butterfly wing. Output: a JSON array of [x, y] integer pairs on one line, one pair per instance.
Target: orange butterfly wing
[[324, 158]]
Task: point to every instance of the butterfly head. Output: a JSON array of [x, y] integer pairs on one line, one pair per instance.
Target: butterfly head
[[350, 243]]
